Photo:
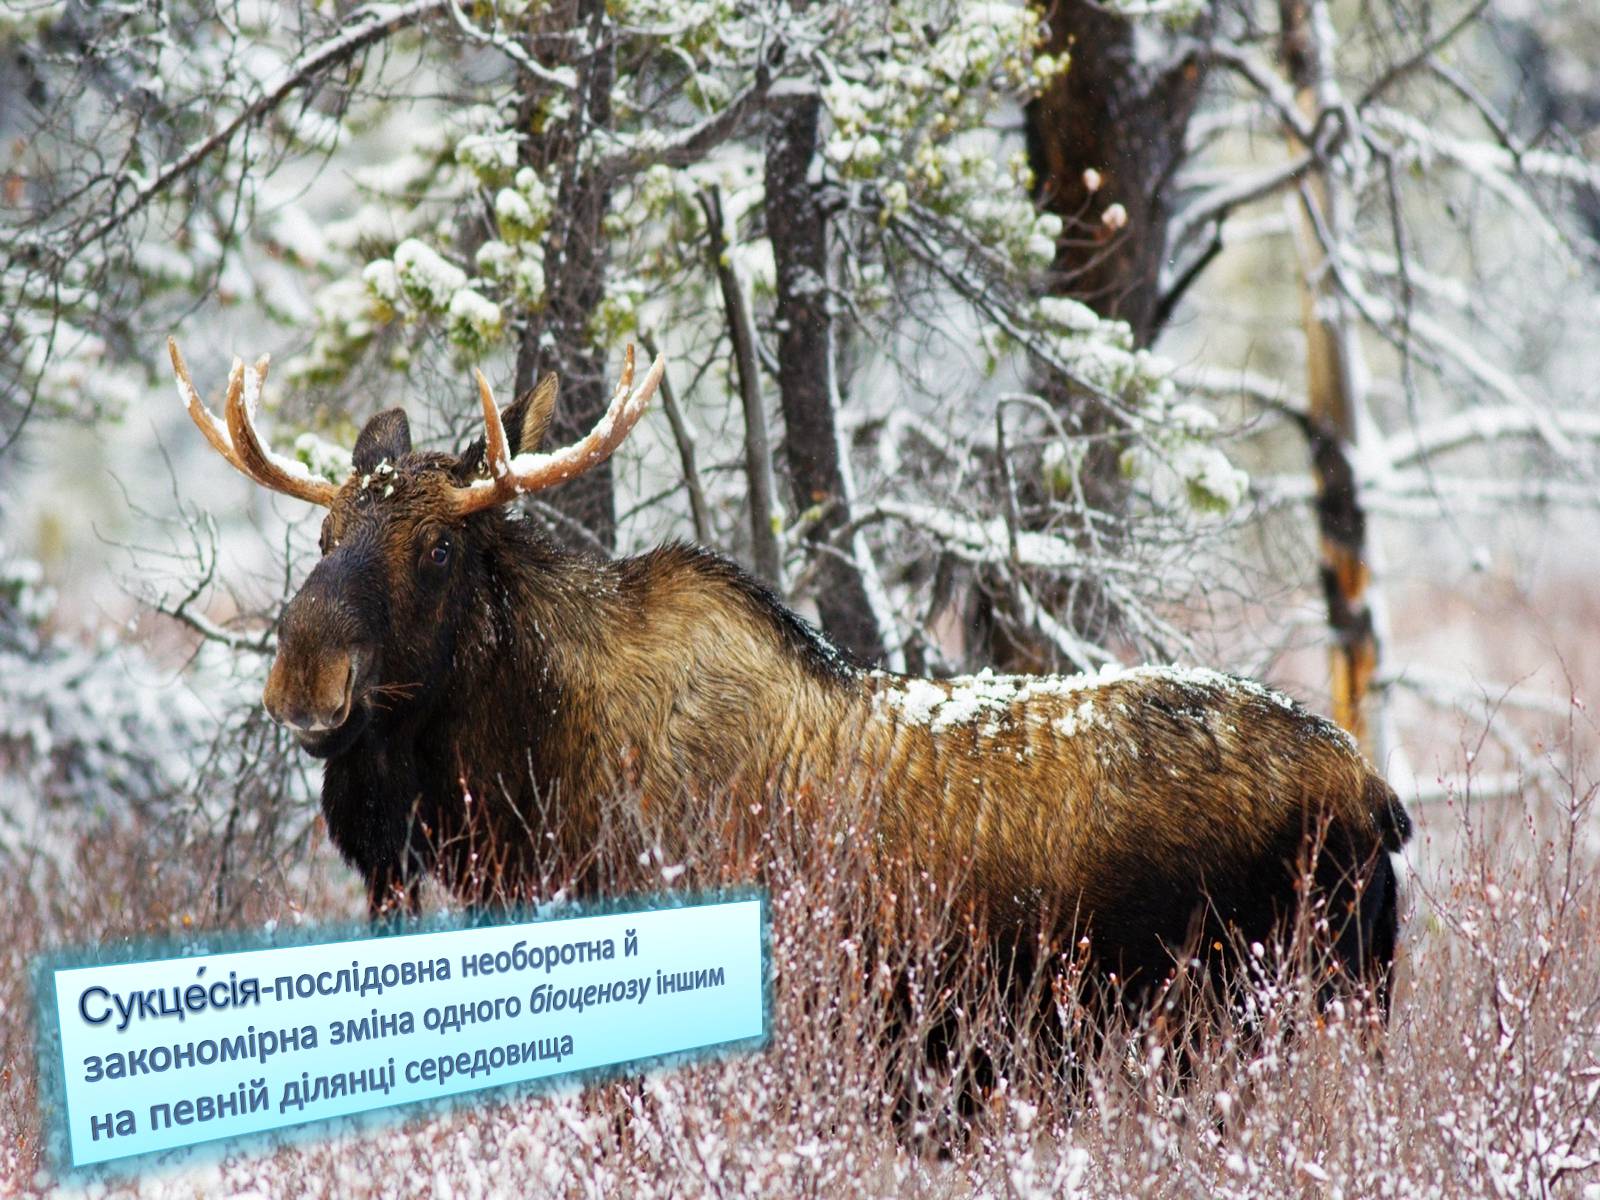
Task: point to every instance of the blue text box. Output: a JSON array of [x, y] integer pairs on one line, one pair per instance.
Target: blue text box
[[172, 1052]]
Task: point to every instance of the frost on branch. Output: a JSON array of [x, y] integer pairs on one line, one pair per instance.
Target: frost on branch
[[85, 732]]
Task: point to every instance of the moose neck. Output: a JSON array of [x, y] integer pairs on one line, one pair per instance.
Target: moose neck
[[532, 628], [668, 670]]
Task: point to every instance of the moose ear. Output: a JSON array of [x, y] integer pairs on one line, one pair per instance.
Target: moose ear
[[528, 418], [386, 436]]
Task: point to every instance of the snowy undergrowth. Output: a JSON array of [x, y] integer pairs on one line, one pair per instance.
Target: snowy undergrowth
[[1486, 1083], [85, 731], [98, 739]]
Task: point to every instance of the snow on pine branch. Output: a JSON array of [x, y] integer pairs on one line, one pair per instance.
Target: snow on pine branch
[[989, 541]]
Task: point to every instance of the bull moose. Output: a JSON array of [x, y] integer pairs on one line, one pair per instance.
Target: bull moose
[[444, 650]]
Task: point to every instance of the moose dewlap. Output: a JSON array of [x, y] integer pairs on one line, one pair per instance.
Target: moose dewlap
[[442, 650]]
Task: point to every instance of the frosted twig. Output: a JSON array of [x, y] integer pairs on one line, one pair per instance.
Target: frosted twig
[[1423, 53], [1228, 381], [1477, 426], [687, 146], [1277, 93], [1419, 496], [699, 512], [513, 50], [1465, 358], [1455, 689], [366, 29], [1085, 655], [1220, 201], [181, 612]]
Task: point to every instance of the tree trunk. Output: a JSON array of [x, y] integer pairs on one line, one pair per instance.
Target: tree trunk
[[818, 474], [558, 337], [765, 553], [1124, 118], [1333, 381]]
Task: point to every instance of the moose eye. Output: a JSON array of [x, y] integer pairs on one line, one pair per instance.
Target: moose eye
[[440, 554]]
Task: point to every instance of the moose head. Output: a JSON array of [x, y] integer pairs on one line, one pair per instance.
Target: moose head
[[403, 544]]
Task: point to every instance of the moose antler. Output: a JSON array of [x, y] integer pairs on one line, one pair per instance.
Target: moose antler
[[510, 477], [236, 439]]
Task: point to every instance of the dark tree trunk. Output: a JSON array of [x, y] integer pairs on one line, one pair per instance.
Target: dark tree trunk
[[558, 337], [797, 227], [1124, 118], [1127, 120]]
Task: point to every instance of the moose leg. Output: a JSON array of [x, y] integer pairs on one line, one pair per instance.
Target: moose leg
[[1362, 897], [394, 880], [391, 895]]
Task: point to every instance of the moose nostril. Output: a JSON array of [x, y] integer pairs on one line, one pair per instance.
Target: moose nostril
[[282, 711], [344, 695], [272, 700]]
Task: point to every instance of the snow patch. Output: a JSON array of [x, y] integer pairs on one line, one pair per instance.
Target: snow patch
[[939, 705]]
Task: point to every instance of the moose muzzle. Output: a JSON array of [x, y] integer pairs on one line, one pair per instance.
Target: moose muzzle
[[311, 693], [314, 688]]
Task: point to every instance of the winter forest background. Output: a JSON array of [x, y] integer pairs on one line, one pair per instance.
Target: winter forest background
[[1259, 334]]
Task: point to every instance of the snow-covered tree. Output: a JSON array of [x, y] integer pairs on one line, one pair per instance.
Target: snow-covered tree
[[909, 262]]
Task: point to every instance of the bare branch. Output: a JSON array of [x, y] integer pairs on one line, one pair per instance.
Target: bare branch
[[1216, 204], [1278, 95], [182, 611], [366, 27], [699, 513], [766, 551], [1479, 426], [1222, 382], [1399, 70]]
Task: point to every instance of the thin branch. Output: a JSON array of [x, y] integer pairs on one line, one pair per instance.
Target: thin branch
[[1485, 158], [1013, 518], [1487, 112], [922, 246], [1278, 95], [1422, 54], [698, 510], [1454, 689], [766, 551], [687, 146], [1085, 655], [1414, 495], [988, 542], [368, 29], [562, 79], [1479, 426], [1221, 382], [1173, 295], [1216, 204], [204, 626]]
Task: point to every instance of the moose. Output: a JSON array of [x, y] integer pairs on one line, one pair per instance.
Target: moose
[[473, 688]]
